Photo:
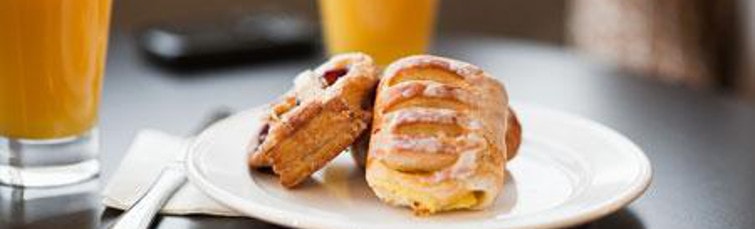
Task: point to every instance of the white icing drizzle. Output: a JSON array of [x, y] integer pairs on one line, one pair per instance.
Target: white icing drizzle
[[465, 165], [430, 115], [410, 89], [461, 68], [433, 144], [474, 124], [308, 86], [408, 92], [344, 61], [442, 91], [421, 114], [428, 145]]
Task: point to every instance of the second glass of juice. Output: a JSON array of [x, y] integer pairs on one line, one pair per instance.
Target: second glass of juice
[[385, 29]]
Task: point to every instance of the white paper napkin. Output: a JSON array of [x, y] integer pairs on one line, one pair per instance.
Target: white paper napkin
[[146, 157]]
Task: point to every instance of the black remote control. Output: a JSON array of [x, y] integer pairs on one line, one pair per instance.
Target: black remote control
[[251, 39]]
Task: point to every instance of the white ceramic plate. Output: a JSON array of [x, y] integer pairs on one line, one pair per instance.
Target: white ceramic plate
[[570, 170]]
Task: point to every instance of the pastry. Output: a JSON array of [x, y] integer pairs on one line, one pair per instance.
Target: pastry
[[438, 136], [323, 114]]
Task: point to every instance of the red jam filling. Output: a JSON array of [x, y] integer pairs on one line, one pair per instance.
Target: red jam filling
[[263, 134], [331, 76]]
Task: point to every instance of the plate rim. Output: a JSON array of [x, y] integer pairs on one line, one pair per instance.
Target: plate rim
[[281, 217]]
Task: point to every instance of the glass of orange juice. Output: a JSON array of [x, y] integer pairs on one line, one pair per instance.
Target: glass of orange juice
[[52, 55], [385, 29]]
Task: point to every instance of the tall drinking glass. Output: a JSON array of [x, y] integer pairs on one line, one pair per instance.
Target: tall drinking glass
[[385, 29], [52, 56]]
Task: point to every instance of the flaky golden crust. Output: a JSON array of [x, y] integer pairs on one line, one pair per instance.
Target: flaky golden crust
[[438, 136], [316, 140], [321, 116]]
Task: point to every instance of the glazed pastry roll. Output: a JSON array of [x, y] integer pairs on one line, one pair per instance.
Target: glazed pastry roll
[[438, 136], [327, 109]]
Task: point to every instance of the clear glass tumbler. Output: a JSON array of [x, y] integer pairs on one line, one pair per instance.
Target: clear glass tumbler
[[52, 59]]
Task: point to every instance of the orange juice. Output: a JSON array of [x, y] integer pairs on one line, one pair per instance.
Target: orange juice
[[52, 55], [385, 29]]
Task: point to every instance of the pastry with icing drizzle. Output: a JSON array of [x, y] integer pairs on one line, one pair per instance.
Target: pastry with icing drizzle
[[442, 131]]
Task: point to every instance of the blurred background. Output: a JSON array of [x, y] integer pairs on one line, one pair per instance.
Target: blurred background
[[707, 45]]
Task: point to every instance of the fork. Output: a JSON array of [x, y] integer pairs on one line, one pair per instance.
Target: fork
[[171, 178]]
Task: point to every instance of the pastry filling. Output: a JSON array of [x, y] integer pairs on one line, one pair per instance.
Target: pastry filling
[[262, 135], [331, 76], [415, 195]]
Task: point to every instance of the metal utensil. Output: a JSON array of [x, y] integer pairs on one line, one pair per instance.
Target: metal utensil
[[172, 177]]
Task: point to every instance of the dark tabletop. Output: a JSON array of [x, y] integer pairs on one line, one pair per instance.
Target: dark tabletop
[[701, 144]]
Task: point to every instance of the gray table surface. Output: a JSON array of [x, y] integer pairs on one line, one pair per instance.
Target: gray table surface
[[701, 144]]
